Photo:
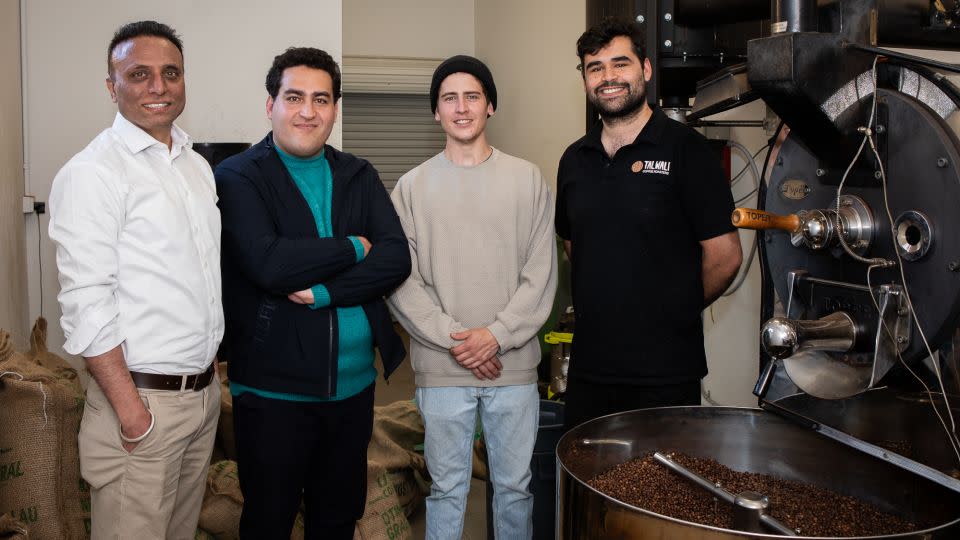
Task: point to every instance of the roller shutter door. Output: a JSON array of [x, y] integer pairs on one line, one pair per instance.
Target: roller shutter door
[[395, 132]]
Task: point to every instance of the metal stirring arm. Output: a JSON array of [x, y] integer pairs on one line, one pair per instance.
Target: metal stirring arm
[[748, 507]]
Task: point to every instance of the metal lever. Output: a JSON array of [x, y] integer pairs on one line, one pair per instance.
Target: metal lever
[[750, 218], [748, 506], [817, 229], [782, 337]]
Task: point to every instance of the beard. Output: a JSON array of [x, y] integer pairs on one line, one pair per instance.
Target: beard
[[624, 107]]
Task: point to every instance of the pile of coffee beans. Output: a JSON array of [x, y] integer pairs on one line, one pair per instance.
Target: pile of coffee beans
[[645, 483]]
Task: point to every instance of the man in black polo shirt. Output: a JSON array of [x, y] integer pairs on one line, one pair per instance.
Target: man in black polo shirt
[[644, 212]]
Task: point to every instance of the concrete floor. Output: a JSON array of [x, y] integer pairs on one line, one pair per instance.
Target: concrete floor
[[401, 387]]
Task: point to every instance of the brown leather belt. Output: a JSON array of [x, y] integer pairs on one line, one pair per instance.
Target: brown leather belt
[[155, 381]]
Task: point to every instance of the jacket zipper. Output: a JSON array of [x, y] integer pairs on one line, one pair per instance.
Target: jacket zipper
[[332, 362]]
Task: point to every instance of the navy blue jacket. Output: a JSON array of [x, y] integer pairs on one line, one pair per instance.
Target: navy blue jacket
[[270, 248]]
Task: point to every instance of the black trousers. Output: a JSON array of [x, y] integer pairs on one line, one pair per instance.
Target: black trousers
[[288, 450], [586, 400]]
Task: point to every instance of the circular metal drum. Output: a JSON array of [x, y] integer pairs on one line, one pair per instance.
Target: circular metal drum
[[917, 123], [744, 440]]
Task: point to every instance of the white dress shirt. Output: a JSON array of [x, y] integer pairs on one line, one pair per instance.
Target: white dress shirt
[[137, 232]]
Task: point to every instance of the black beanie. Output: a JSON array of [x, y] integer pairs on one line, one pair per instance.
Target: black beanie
[[463, 64]]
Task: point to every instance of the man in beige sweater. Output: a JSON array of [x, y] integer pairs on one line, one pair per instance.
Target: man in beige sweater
[[479, 224]]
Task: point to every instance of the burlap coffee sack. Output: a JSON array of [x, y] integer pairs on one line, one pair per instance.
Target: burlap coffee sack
[[479, 457], [41, 356], [383, 518], [397, 431], [39, 463], [298, 532], [74, 485], [222, 502], [226, 441], [11, 529], [203, 535], [410, 487]]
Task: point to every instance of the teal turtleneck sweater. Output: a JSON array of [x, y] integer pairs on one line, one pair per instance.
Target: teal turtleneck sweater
[[355, 370]]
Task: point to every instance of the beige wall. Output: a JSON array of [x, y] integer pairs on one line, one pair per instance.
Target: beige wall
[[228, 48], [412, 28], [13, 268], [731, 325], [530, 48]]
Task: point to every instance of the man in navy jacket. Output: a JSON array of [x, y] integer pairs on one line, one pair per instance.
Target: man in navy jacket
[[311, 244]]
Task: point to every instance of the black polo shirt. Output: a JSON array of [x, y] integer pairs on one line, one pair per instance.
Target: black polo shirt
[[635, 222]]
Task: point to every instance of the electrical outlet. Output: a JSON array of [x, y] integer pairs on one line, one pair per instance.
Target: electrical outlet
[[28, 201]]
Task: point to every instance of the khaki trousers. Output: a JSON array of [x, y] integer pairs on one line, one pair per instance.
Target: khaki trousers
[[155, 491]]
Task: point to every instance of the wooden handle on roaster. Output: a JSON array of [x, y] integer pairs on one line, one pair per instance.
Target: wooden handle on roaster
[[749, 218]]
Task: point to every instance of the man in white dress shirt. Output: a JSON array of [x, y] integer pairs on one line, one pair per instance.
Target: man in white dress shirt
[[137, 231]]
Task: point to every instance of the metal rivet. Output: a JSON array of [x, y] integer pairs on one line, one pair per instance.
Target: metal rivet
[[877, 174], [942, 162], [641, 19], [953, 266], [821, 172], [667, 17], [880, 128], [668, 43]]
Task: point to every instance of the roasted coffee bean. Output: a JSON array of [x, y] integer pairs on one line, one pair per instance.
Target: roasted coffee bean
[[646, 484]]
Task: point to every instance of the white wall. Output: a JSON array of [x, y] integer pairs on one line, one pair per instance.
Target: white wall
[[13, 267], [412, 28], [228, 47]]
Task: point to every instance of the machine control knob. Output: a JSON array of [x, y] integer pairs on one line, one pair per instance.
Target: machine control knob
[[782, 337]]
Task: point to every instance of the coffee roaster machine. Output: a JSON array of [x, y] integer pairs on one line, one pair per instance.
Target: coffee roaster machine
[[858, 229]]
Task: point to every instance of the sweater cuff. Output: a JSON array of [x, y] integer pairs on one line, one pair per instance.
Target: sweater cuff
[[357, 247], [502, 335], [321, 297]]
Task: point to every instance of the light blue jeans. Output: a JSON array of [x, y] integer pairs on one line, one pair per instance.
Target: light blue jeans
[[509, 415]]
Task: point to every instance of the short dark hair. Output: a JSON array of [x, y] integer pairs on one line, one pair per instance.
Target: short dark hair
[[142, 28], [600, 35], [302, 56]]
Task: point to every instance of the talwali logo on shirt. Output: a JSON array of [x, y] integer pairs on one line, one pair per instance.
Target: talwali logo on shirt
[[651, 167]]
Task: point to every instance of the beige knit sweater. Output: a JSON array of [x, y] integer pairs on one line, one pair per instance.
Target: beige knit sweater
[[484, 255]]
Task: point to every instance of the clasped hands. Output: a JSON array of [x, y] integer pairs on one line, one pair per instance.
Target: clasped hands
[[477, 352]]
